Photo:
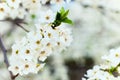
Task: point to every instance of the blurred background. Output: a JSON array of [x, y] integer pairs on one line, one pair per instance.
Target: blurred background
[[96, 30]]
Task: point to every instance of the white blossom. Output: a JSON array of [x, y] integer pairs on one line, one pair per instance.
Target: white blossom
[[4, 9], [36, 46], [108, 70], [47, 16]]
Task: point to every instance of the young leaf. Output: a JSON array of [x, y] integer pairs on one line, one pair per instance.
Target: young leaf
[[64, 15], [58, 16], [62, 10], [66, 20], [61, 17]]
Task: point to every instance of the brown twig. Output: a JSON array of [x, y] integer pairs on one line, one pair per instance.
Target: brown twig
[[6, 59], [22, 27], [17, 22]]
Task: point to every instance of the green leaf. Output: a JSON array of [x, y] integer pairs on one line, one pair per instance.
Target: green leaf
[[57, 22], [66, 20], [58, 16], [62, 10], [61, 16], [64, 15]]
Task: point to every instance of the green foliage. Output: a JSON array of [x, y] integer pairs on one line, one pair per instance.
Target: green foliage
[[61, 17]]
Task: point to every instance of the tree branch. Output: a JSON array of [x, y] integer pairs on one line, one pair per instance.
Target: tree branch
[[17, 22], [22, 27], [6, 59]]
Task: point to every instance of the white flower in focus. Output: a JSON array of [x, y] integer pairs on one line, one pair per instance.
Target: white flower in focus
[[28, 53], [114, 58], [19, 45], [47, 17], [65, 35], [30, 67], [59, 38], [97, 74], [15, 64], [92, 72], [44, 53]]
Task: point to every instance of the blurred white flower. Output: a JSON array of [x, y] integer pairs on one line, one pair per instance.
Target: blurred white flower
[[57, 2], [13, 3], [4, 10], [44, 1]]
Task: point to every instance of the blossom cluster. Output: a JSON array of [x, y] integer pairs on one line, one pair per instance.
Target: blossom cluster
[[16, 8], [110, 70], [29, 54]]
